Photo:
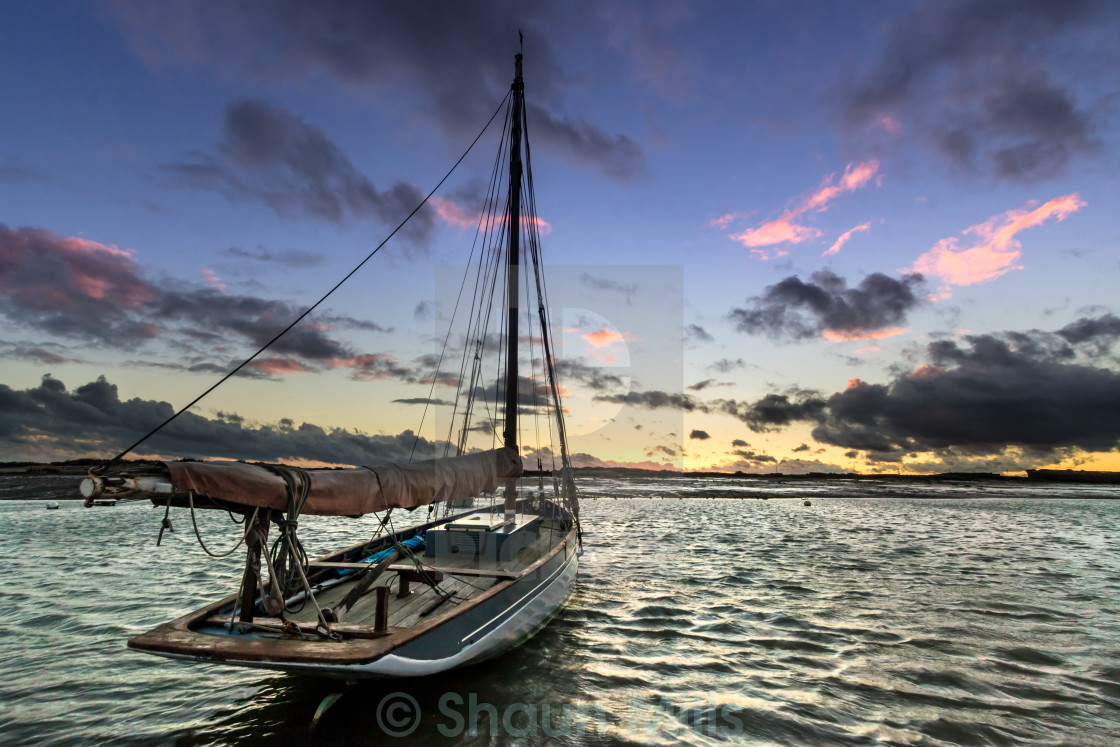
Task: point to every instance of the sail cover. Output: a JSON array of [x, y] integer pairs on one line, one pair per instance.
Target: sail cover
[[352, 492]]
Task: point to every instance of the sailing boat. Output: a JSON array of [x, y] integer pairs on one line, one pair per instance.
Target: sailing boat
[[457, 590]]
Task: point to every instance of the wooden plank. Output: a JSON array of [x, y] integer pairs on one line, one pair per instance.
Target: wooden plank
[[411, 615], [402, 607], [363, 612], [415, 601], [270, 623], [480, 572], [401, 567]]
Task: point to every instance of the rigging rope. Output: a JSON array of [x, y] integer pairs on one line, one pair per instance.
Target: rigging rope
[[194, 522], [483, 228]]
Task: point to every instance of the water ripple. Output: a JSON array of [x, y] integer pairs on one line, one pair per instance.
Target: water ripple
[[875, 616]]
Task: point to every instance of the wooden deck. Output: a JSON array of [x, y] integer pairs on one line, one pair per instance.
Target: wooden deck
[[464, 577], [195, 635]]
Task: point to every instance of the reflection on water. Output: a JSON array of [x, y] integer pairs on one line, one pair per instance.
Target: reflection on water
[[871, 616]]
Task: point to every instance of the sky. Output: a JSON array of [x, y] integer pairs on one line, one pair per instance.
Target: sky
[[781, 236]]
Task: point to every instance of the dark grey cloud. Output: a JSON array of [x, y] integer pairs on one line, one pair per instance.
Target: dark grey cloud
[[288, 258], [1027, 390], [92, 420], [699, 435], [609, 286], [378, 366], [654, 399], [696, 332], [257, 319], [1104, 329], [753, 456], [727, 365], [797, 309], [272, 156], [456, 59], [597, 378], [422, 401], [774, 412], [266, 368], [349, 322], [1042, 392], [701, 385], [1011, 88], [531, 393], [47, 353], [740, 443], [769, 413], [618, 156]]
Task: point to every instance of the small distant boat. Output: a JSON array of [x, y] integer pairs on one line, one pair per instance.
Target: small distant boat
[[463, 587], [52, 504]]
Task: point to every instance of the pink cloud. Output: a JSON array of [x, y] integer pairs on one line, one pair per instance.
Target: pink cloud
[[926, 371], [48, 272], [782, 230], [602, 343], [788, 228], [726, 220], [856, 175], [212, 279], [279, 365], [994, 250], [835, 248], [544, 228], [890, 124], [453, 213], [458, 216], [854, 335], [602, 338]]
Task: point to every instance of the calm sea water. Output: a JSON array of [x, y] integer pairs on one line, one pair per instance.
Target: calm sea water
[[874, 616]]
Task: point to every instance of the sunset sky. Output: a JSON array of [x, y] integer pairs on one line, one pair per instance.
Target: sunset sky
[[876, 236]]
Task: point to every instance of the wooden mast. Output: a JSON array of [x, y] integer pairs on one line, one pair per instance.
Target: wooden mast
[[512, 269]]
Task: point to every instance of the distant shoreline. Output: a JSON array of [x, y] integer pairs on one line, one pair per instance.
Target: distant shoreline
[[82, 466]]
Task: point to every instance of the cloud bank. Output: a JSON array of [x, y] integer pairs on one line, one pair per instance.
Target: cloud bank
[[455, 61], [50, 422], [1038, 392], [1011, 89], [83, 290]]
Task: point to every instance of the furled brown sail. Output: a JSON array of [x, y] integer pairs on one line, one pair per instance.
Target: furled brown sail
[[351, 492]]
